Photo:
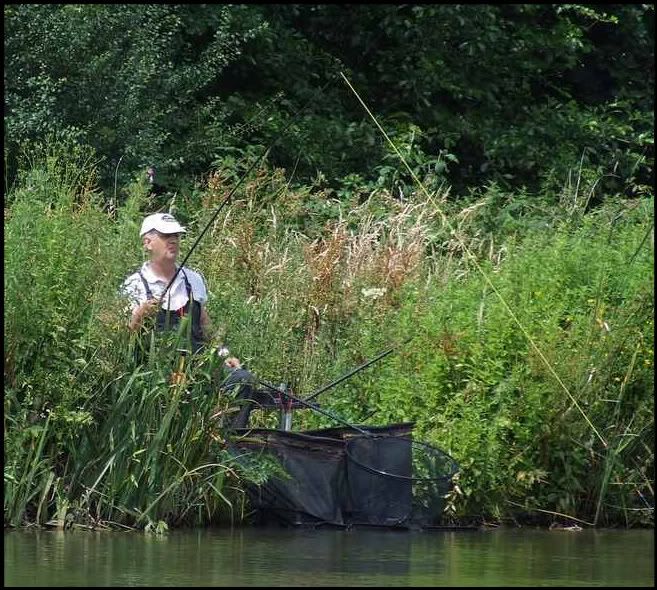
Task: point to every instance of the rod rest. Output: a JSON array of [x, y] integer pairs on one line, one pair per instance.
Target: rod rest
[[263, 397], [270, 400]]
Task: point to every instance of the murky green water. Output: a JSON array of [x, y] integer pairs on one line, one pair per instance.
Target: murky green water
[[281, 557]]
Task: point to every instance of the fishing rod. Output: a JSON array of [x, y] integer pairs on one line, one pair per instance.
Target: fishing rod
[[306, 401], [356, 370], [313, 407], [241, 180], [216, 213]]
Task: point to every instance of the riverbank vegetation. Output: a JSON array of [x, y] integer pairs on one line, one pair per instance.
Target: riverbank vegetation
[[521, 270], [90, 431]]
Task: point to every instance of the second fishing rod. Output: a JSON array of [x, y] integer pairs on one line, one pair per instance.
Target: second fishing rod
[[241, 179]]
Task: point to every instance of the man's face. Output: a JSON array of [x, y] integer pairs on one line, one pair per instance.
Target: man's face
[[162, 247]]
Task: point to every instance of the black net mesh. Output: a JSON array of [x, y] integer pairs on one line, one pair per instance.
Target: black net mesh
[[398, 480], [342, 477]]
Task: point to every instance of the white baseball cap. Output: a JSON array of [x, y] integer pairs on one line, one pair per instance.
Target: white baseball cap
[[165, 223]]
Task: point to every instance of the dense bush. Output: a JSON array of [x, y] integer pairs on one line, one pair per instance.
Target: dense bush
[[303, 289], [522, 269]]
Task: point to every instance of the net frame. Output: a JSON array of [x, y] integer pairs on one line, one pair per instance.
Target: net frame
[[434, 450]]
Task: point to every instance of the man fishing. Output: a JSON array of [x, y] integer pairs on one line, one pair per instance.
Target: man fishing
[[162, 289]]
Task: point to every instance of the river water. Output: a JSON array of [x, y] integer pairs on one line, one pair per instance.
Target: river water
[[293, 557]]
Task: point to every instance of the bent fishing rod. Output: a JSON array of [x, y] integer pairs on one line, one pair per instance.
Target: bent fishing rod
[[257, 161], [356, 370], [261, 157]]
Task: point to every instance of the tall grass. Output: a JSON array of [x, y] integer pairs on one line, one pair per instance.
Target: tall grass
[[91, 432], [303, 288]]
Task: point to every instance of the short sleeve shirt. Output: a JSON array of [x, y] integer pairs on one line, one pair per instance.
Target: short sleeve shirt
[[133, 288]]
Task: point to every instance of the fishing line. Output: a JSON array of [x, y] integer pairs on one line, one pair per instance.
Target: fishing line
[[474, 260]]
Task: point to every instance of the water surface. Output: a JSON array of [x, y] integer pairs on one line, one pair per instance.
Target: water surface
[[291, 557]]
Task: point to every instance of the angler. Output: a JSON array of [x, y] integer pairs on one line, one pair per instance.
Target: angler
[[167, 292], [160, 234]]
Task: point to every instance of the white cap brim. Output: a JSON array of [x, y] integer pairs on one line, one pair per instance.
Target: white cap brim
[[163, 223]]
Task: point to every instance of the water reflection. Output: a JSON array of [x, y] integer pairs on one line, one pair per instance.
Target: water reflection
[[278, 557]]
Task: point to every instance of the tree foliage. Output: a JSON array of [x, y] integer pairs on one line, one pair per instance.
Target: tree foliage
[[137, 80], [519, 94]]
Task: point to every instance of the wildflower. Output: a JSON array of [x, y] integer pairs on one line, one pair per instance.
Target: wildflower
[[373, 293]]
